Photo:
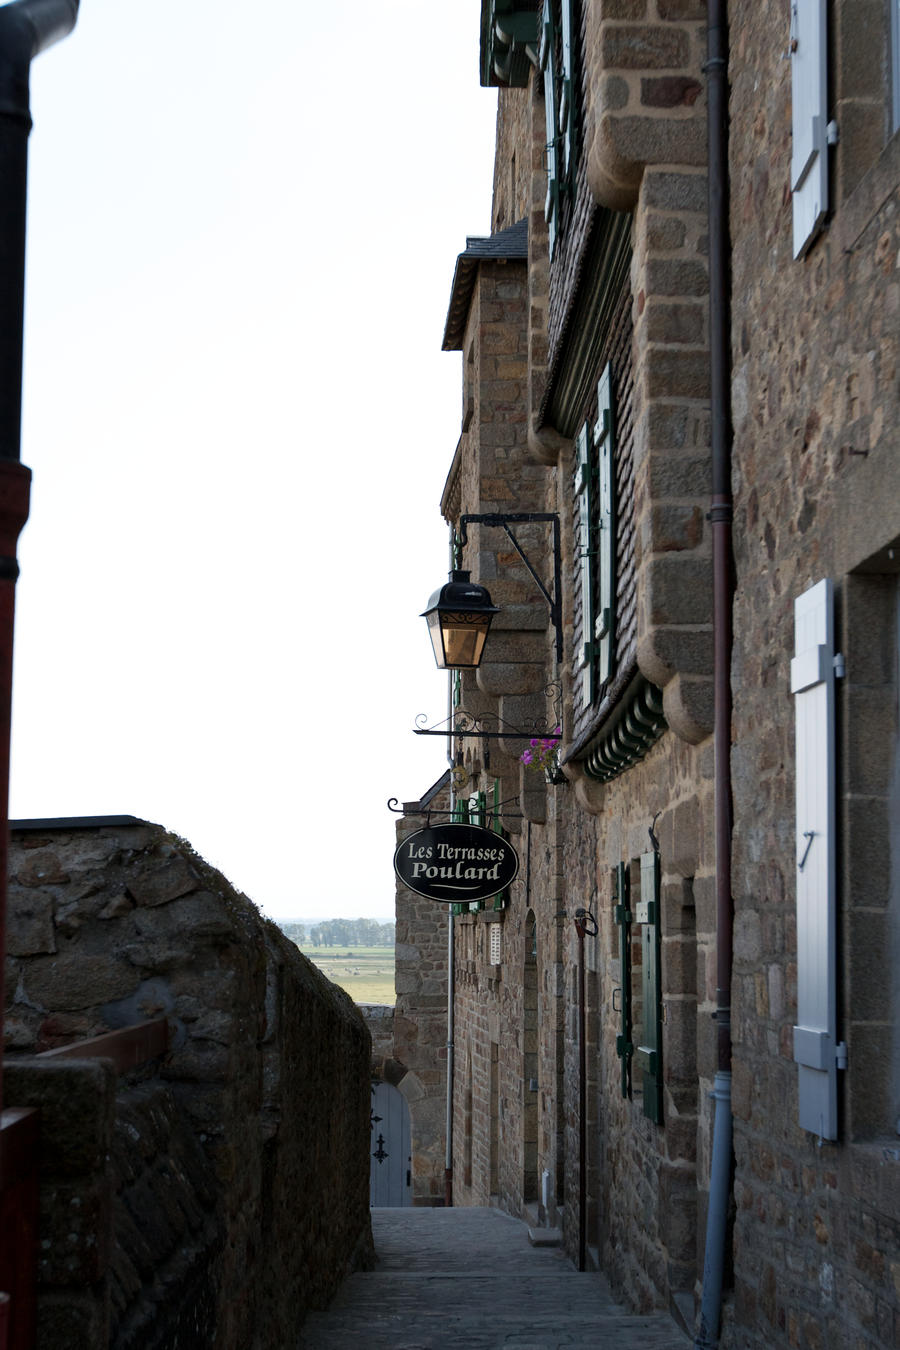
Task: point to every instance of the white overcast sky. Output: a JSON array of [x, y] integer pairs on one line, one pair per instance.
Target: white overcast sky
[[243, 224]]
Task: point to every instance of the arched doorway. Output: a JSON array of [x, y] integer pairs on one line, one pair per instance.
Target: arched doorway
[[390, 1168]]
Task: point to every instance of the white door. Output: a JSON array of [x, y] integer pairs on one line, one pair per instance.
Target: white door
[[390, 1175]]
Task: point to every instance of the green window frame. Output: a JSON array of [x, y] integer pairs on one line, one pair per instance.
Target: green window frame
[[584, 483], [648, 1055], [476, 816], [595, 478], [558, 69], [604, 447], [644, 913], [474, 811], [623, 917]]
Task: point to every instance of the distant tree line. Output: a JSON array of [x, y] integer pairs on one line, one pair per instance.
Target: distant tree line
[[341, 933]]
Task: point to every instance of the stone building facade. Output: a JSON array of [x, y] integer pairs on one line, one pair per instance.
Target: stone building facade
[[590, 367], [417, 1059], [214, 1193]]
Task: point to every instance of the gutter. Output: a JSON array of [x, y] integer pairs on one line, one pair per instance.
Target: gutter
[[720, 516]]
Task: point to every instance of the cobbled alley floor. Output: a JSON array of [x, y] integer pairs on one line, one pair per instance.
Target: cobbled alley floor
[[469, 1278]]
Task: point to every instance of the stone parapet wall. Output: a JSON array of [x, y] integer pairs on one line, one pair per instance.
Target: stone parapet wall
[[238, 1177]]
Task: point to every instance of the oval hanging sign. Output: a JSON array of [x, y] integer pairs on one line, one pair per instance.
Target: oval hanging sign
[[459, 863]]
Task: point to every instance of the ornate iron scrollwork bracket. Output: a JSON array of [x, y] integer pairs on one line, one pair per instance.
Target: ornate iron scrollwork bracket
[[490, 726]]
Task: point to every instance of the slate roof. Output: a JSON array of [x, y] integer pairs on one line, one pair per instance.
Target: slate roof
[[507, 246]]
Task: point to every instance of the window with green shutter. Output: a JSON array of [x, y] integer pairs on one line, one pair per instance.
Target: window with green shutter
[[604, 449], [638, 1000], [459, 814], [648, 1054], [475, 816], [557, 63], [501, 900], [623, 916], [595, 477], [552, 148], [584, 478]]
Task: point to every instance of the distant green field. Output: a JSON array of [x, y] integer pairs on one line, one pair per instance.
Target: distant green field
[[367, 973]]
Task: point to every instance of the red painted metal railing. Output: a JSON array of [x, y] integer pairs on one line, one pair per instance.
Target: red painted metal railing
[[127, 1048], [19, 1175]]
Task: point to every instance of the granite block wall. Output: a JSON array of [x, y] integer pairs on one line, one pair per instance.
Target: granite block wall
[[236, 1191]]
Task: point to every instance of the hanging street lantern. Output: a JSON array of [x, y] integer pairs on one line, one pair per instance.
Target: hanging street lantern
[[459, 617]]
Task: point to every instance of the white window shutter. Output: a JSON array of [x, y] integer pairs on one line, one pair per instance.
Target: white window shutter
[[815, 1035], [809, 97]]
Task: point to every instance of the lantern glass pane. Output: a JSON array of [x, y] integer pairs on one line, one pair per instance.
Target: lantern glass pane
[[464, 637], [437, 638]]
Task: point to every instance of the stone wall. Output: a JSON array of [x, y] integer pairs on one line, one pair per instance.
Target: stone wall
[[815, 347], [516, 1085], [816, 479], [236, 1193], [418, 1057]]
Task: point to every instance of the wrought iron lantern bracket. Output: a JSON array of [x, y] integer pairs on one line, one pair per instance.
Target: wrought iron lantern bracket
[[503, 522]]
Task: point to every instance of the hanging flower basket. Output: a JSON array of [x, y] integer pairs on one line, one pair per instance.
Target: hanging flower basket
[[541, 756]]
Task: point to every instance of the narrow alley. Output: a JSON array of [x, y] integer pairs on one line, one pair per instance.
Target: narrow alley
[[470, 1278]]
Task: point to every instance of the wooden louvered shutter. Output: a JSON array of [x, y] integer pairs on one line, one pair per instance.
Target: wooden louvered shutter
[[501, 900], [548, 66], [567, 96], [809, 94], [648, 1055], [604, 442], [476, 814], [459, 814], [584, 496], [623, 917], [816, 1051]]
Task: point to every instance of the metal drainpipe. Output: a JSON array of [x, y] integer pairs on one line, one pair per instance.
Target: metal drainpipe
[[451, 958], [448, 1153], [27, 28], [582, 1099], [723, 590]]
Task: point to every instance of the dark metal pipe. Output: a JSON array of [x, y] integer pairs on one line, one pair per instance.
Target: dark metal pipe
[[585, 923], [582, 1106], [27, 28], [723, 590], [721, 513]]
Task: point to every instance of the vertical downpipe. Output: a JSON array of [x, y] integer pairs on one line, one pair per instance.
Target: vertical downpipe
[[723, 590], [451, 949], [26, 29], [582, 1099], [448, 1153]]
